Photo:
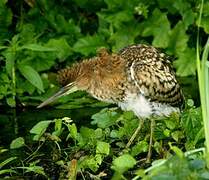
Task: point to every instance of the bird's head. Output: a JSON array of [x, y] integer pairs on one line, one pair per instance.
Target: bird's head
[[84, 75], [71, 79]]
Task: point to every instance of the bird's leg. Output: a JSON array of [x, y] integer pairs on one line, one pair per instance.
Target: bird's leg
[[149, 154], [141, 122]]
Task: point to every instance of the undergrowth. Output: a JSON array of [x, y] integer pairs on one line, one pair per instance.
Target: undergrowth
[[59, 149]]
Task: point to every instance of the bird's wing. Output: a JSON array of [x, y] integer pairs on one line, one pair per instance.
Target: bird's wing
[[157, 83], [152, 73]]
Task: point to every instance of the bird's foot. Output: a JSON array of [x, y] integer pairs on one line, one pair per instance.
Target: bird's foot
[[149, 154]]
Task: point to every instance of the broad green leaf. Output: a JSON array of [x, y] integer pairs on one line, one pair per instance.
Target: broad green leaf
[[159, 27], [40, 128], [89, 44], [205, 24], [118, 19], [36, 47], [123, 163], [186, 63], [103, 148], [178, 39], [17, 143], [32, 76], [62, 48], [125, 35], [42, 61], [105, 118], [87, 133], [185, 9]]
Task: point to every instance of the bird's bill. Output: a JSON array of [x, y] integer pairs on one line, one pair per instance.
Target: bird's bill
[[70, 88]]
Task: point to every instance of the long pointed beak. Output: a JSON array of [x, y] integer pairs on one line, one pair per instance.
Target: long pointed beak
[[70, 88]]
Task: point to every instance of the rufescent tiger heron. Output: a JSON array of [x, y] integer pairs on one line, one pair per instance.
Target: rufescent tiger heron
[[139, 78]]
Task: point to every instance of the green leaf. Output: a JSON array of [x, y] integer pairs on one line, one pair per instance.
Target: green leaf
[[105, 118], [10, 60], [205, 24], [121, 4], [58, 124], [73, 131], [125, 35], [32, 76], [178, 39], [11, 101], [103, 148], [35, 169], [17, 143], [170, 124], [5, 162], [185, 9], [117, 19], [123, 163], [176, 135], [58, 127], [158, 26], [91, 162], [177, 150], [40, 128], [89, 44], [186, 64], [62, 48], [36, 47], [140, 147], [7, 171]]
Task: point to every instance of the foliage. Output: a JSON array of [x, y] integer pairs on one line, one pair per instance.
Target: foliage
[[100, 150], [37, 39]]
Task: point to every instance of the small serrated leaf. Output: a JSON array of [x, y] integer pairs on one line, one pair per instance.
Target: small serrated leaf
[[102, 148]]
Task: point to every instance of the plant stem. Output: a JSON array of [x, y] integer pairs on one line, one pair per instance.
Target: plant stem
[[202, 71]]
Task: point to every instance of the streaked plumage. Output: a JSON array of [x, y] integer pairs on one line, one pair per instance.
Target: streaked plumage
[[138, 78]]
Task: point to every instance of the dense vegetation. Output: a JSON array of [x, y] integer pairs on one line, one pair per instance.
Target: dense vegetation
[[37, 38]]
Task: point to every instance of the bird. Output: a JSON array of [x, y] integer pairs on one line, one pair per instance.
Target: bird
[[138, 78]]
